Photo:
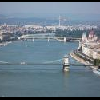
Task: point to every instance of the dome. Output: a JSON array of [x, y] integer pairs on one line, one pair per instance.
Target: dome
[[91, 34]]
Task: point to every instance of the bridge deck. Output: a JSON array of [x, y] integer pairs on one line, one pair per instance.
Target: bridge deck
[[42, 64], [68, 38]]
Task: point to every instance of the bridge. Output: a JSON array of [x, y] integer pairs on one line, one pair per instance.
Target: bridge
[[33, 65], [48, 37], [43, 63]]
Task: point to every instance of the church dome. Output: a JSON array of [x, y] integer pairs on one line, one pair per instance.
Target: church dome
[[91, 34]]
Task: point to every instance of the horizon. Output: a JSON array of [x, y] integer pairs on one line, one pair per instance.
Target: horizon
[[70, 16], [71, 10]]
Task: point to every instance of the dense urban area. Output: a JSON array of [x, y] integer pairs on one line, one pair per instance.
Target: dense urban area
[[12, 32]]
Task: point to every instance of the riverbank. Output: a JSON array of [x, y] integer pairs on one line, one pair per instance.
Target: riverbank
[[5, 43], [82, 61]]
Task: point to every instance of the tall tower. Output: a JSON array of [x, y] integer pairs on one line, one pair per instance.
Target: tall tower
[[59, 20]]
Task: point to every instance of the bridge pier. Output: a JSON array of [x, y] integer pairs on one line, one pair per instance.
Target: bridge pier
[[65, 39], [48, 39], [66, 64], [33, 40]]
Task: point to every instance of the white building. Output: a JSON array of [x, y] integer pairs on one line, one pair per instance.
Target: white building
[[51, 27], [1, 38], [90, 45], [34, 26]]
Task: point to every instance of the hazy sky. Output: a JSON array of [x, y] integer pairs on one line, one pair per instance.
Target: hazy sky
[[50, 7]]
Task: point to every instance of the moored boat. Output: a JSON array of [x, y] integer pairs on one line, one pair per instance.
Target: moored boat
[[96, 71]]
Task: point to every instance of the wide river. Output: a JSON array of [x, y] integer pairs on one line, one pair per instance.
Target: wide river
[[44, 80]]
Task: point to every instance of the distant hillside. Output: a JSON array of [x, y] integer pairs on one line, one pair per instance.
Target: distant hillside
[[2, 16], [49, 19], [71, 16]]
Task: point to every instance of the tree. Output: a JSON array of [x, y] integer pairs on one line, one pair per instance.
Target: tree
[[97, 62]]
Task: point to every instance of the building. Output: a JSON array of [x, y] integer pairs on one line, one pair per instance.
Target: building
[[5, 36], [1, 37], [34, 26], [90, 45]]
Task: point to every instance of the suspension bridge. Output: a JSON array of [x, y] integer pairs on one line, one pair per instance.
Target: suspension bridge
[[62, 63], [55, 62]]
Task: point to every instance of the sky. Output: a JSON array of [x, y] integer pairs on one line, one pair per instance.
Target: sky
[[50, 7]]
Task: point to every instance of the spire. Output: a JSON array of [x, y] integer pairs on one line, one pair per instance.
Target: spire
[[91, 34], [59, 20]]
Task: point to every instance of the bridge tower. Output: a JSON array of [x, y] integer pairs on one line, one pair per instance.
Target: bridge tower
[[48, 39], [66, 64], [65, 39]]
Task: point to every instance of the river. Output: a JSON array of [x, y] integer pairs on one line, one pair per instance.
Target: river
[[44, 80]]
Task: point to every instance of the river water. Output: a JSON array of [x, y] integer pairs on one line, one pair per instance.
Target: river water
[[44, 80]]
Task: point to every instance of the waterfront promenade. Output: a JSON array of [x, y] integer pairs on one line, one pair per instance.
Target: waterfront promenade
[[80, 60]]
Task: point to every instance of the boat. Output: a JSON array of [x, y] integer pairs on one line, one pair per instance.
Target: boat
[[96, 71], [23, 63]]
